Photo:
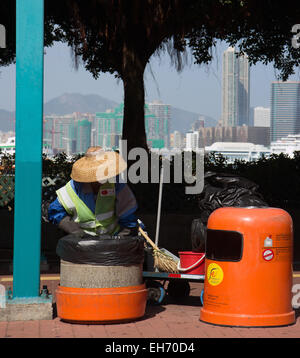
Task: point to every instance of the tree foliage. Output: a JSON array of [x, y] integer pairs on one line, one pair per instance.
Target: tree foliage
[[120, 36]]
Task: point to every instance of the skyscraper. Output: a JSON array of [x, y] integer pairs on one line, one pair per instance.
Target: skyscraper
[[285, 109], [261, 117], [107, 127], [159, 126], [235, 89]]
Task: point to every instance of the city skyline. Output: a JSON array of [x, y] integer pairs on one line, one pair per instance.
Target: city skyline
[[76, 132], [159, 130], [196, 88]]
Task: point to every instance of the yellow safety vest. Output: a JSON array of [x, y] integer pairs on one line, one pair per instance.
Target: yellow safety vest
[[103, 221]]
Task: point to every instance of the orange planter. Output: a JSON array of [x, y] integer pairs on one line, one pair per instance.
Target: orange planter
[[101, 305], [248, 268]]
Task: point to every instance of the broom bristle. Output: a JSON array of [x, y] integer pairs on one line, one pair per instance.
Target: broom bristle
[[164, 262]]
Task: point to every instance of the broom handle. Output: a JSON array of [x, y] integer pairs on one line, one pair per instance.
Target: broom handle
[[147, 238], [159, 202]]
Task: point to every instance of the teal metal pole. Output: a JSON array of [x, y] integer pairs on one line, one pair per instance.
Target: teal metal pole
[[29, 136]]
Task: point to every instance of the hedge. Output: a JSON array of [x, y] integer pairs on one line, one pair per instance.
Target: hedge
[[277, 176]]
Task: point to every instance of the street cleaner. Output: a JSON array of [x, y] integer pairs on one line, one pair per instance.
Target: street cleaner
[[92, 204]]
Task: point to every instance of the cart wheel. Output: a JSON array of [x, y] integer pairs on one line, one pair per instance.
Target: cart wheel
[[156, 292], [201, 296], [179, 288], [156, 295]]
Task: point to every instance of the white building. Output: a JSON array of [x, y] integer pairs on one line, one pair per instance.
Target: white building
[[239, 151], [8, 147], [177, 140], [287, 145], [261, 117], [192, 140]]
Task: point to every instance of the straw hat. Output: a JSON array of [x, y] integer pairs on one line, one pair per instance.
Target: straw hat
[[97, 165]]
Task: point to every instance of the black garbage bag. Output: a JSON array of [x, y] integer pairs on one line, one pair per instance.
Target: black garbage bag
[[104, 250], [198, 235], [222, 190]]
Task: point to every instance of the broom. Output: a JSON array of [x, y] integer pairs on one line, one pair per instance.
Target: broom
[[162, 261]]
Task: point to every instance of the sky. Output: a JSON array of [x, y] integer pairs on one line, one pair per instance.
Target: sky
[[196, 88]]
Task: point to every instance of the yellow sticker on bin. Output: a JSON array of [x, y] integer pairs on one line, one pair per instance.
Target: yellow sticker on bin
[[214, 274]]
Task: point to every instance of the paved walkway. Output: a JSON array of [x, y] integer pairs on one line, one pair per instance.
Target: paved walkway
[[170, 320]]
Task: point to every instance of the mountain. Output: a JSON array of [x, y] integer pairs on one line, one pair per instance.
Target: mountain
[[67, 103], [75, 102]]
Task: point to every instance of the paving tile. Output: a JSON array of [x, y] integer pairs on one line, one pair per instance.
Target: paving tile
[[286, 331], [122, 331], [179, 317], [281, 334], [187, 330], [81, 331], [214, 331], [162, 327], [63, 329], [146, 330], [47, 329], [3, 328], [255, 332], [98, 331], [31, 329], [15, 329]]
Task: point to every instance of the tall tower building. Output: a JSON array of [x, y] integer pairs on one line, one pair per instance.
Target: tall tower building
[[159, 128], [64, 134], [107, 128], [285, 109], [235, 89]]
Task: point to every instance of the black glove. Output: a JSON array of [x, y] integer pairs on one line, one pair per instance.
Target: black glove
[[79, 233], [70, 227]]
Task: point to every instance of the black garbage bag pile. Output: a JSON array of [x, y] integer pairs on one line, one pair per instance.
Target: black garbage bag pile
[[104, 250], [222, 190]]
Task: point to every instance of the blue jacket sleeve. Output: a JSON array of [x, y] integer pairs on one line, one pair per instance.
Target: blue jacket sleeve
[[56, 212]]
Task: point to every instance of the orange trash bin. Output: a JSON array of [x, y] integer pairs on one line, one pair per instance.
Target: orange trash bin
[[101, 279], [101, 305], [248, 268]]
